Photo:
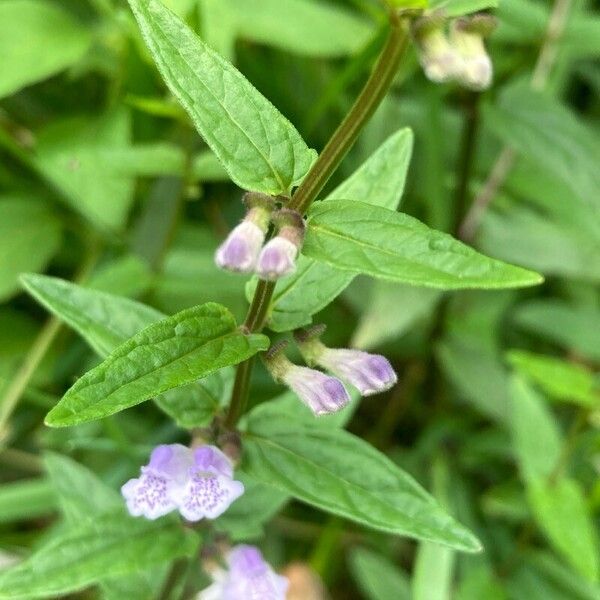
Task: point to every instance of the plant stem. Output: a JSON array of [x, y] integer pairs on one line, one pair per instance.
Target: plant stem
[[336, 149], [506, 158]]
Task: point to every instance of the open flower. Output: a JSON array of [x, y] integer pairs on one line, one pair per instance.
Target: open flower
[[248, 577], [159, 485], [210, 488], [198, 483]]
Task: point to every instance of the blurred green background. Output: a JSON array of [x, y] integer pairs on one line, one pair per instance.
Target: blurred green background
[[104, 181]]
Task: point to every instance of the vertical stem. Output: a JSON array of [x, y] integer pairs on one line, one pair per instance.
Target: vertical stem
[[336, 149]]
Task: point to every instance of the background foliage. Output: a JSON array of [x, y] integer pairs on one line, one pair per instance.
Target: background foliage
[[105, 183]]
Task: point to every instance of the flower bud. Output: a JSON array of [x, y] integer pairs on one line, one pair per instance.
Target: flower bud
[[197, 482], [467, 37], [278, 257], [239, 252], [248, 576], [322, 393], [369, 373], [437, 56]]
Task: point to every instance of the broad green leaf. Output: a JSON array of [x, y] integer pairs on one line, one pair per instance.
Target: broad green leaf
[[456, 8], [379, 181], [561, 512], [573, 327], [300, 26], [30, 235], [103, 320], [195, 405], [75, 155], [377, 577], [172, 352], [360, 238], [337, 472], [537, 439], [550, 136], [25, 500], [37, 40], [558, 378], [81, 494], [391, 311], [109, 546], [260, 149]]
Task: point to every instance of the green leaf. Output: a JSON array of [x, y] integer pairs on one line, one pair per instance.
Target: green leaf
[[300, 26], [380, 181], [25, 500], [103, 320], [358, 237], [260, 149], [456, 8], [561, 511], [537, 439], [30, 235], [550, 136], [37, 40], [75, 155], [558, 378], [573, 327], [173, 352], [377, 577], [110, 546], [337, 472], [81, 494]]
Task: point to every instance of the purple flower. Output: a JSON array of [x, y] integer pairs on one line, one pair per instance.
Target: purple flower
[[240, 250], [249, 577], [322, 393], [210, 487], [369, 373], [199, 483], [277, 259], [155, 492]]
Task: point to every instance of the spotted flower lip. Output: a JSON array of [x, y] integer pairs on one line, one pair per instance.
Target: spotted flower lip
[[155, 492], [369, 373], [199, 483], [210, 488], [248, 577], [240, 251]]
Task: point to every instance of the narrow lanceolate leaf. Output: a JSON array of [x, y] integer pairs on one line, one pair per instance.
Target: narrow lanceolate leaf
[[103, 320], [80, 556], [340, 473], [172, 352], [260, 149], [360, 238], [378, 181]]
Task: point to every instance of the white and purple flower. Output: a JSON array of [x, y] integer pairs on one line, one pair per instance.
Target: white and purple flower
[[248, 577], [277, 259], [240, 251], [199, 483]]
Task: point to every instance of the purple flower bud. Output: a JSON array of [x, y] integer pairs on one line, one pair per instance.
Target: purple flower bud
[[210, 488], [155, 492], [322, 393], [248, 577], [369, 373], [277, 259], [240, 250]]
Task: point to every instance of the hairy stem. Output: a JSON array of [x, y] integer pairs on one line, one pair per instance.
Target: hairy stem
[[505, 161], [343, 138]]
